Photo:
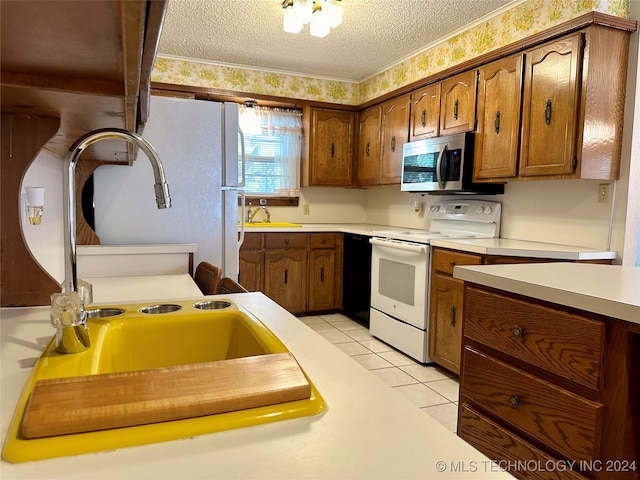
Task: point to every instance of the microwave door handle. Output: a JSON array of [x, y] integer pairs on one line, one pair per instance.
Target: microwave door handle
[[442, 167]]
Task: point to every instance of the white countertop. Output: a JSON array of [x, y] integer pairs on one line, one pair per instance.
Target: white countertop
[[142, 287], [485, 246], [136, 249], [610, 290], [521, 248], [368, 431]]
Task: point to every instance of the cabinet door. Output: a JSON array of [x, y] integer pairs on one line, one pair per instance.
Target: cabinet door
[[425, 112], [445, 321], [497, 135], [395, 133], [332, 151], [368, 172], [458, 103], [550, 108], [286, 278], [251, 271], [321, 279]]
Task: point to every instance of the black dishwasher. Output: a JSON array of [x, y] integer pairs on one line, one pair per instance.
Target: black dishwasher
[[356, 289]]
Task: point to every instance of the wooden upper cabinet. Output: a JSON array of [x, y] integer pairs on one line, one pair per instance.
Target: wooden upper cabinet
[[368, 159], [551, 107], [498, 133], [331, 145], [394, 134], [458, 103], [425, 112]]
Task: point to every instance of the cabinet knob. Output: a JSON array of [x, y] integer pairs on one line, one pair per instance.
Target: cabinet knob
[[323, 241], [455, 110], [516, 331], [286, 241], [514, 401], [452, 263]]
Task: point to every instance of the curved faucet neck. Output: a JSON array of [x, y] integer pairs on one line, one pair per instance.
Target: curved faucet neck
[[163, 200]]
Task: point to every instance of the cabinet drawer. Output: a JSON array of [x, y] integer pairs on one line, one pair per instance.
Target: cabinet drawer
[[286, 240], [445, 260], [252, 241], [509, 450], [562, 343], [322, 240], [556, 417]]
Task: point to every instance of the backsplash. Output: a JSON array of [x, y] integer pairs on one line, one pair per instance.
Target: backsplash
[[521, 21]]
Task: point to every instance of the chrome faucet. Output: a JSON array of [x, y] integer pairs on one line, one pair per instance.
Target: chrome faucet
[[77, 340], [251, 214]]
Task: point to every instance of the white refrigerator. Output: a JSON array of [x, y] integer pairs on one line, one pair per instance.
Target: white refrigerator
[[197, 142]]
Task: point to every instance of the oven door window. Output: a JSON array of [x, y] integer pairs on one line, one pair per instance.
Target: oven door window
[[396, 281]]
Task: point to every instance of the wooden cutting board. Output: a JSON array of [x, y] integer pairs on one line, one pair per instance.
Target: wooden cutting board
[[99, 402]]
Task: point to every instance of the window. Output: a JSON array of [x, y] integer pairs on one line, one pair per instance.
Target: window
[[272, 143]]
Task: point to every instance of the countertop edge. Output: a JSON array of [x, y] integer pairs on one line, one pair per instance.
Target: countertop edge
[[529, 249], [563, 287]]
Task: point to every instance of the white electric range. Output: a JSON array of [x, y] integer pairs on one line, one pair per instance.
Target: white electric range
[[401, 264]]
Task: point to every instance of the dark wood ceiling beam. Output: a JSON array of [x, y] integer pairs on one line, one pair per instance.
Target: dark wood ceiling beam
[[71, 85]]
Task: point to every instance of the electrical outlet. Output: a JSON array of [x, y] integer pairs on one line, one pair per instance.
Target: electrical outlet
[[603, 193], [305, 209]]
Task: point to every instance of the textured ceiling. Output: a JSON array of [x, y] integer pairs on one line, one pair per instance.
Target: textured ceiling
[[374, 34]]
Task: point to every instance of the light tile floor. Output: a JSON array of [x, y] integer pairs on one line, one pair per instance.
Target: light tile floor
[[433, 389]]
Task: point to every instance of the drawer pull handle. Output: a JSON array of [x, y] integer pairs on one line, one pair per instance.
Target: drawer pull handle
[[322, 274], [286, 276], [286, 241], [424, 118], [496, 123], [393, 143], [452, 315], [333, 150], [455, 110], [516, 331], [368, 149], [514, 401]]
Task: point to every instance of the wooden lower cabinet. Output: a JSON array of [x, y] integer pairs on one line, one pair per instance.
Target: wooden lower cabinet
[[299, 271], [322, 274], [285, 280], [547, 391], [446, 307]]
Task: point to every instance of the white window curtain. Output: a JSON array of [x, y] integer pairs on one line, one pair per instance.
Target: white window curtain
[[273, 138]]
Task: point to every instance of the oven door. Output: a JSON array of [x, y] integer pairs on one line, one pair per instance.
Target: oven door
[[399, 276]]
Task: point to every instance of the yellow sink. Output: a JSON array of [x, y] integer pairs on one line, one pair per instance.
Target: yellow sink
[[175, 333], [272, 224]]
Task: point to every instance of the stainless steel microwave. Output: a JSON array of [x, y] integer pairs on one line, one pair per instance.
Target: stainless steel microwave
[[442, 165]]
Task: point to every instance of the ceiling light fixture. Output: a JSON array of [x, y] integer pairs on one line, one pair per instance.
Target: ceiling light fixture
[[321, 15]]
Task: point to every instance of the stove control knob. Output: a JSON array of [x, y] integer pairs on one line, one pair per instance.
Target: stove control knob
[[488, 210], [480, 209], [435, 208]]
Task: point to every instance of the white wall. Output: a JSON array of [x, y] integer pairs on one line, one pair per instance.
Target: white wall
[[45, 240]]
